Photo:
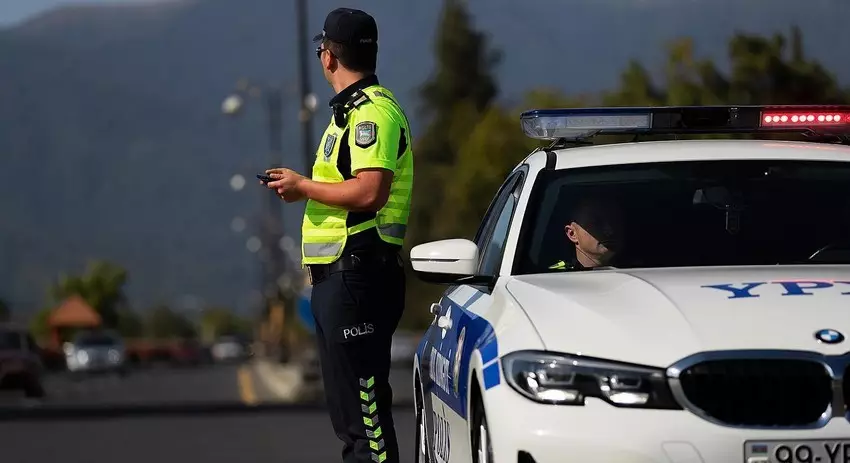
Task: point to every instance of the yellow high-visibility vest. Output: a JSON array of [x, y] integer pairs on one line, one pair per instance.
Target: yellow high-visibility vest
[[377, 134]]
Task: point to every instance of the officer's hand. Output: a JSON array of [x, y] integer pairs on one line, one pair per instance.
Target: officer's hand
[[291, 196], [286, 183]]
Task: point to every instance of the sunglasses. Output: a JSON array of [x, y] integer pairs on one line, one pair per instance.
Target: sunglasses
[[321, 49]]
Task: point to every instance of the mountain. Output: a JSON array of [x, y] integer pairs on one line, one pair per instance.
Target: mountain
[[113, 145]]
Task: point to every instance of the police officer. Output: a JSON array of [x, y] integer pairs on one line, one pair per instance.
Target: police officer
[[358, 202], [596, 231]]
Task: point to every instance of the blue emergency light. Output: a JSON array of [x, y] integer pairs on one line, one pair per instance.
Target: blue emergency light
[[581, 123]]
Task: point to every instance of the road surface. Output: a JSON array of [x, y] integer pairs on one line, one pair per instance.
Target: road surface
[[169, 385], [143, 418], [156, 385]]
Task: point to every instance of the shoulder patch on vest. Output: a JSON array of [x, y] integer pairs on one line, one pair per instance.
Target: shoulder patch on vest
[[365, 134], [330, 141]]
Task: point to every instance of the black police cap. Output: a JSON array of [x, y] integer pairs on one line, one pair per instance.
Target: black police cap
[[349, 26]]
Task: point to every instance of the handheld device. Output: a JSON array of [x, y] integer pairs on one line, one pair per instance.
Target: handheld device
[[264, 178]]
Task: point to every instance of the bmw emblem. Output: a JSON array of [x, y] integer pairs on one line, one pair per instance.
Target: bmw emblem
[[829, 336]]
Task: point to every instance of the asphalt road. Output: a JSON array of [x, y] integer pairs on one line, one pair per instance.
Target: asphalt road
[[144, 418], [155, 385]]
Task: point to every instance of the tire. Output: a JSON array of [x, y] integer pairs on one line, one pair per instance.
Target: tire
[[34, 390], [480, 434], [421, 443]]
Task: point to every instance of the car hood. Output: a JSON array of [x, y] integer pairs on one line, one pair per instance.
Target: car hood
[[657, 316]]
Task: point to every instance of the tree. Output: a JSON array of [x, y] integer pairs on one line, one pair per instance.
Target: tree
[[763, 70], [464, 65], [492, 149], [39, 326], [461, 89], [101, 286], [163, 323], [130, 324]]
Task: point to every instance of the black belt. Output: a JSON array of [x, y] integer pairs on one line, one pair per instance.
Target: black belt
[[319, 272]]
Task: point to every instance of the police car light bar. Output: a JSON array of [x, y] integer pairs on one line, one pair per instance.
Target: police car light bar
[[580, 123]]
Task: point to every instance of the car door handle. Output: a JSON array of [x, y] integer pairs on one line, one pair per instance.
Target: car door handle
[[435, 309], [444, 322]]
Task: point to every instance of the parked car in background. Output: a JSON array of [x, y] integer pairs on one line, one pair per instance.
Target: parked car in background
[[230, 349], [20, 362], [96, 352], [188, 352]]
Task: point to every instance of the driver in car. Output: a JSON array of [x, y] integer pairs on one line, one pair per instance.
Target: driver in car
[[595, 228]]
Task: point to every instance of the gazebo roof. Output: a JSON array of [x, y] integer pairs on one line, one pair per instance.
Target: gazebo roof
[[74, 311]]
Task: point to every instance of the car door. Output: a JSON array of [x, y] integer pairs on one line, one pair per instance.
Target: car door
[[457, 328]]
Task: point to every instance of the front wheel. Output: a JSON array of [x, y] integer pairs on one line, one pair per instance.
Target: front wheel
[[421, 433], [482, 450]]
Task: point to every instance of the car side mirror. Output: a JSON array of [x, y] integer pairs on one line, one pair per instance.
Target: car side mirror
[[446, 261]]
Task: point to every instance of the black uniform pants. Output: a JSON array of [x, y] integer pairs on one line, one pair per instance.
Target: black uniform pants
[[357, 310]]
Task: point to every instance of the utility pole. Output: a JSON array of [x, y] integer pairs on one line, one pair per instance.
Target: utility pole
[[308, 100], [273, 229]]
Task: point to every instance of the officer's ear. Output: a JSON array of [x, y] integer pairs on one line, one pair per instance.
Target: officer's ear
[[570, 231], [329, 59]]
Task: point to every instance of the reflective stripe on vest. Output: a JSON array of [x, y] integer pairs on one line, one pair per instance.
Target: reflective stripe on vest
[[560, 265], [324, 232]]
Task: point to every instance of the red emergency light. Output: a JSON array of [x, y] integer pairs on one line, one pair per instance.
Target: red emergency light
[[805, 118]]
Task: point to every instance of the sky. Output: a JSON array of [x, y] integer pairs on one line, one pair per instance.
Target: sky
[[13, 11]]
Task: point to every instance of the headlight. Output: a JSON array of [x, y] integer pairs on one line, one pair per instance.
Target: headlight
[[567, 380], [113, 355], [82, 357]]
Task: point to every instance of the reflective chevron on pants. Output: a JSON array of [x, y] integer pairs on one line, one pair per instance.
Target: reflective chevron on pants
[[369, 407]]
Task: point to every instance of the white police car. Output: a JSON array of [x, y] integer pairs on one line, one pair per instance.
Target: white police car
[[716, 333]]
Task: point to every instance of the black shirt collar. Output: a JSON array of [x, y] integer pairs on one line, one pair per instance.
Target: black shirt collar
[[342, 97], [574, 264]]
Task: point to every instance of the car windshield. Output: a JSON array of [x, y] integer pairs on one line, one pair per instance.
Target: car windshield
[[94, 340], [713, 213]]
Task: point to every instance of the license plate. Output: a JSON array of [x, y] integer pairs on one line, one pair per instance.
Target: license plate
[[810, 451]]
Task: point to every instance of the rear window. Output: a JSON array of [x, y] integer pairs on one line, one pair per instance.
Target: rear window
[[713, 213]]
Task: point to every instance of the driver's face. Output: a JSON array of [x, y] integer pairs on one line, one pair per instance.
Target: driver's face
[[599, 238]]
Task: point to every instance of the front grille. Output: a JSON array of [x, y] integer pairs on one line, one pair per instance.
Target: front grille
[[759, 392]]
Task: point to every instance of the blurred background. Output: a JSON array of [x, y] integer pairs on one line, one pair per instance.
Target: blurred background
[[143, 271]]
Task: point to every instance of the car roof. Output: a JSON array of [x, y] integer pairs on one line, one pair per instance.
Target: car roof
[[692, 150]]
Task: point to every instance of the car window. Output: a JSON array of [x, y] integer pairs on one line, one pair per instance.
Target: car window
[[491, 216], [494, 246], [686, 214]]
